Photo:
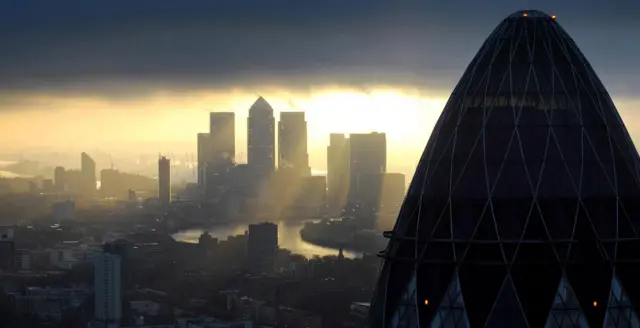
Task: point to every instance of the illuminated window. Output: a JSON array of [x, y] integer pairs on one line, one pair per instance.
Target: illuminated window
[[426, 302], [595, 304], [525, 14]]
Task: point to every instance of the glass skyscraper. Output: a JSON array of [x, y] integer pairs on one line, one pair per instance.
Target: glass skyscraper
[[524, 210]]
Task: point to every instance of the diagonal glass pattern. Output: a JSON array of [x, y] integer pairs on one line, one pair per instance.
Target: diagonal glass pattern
[[451, 313], [620, 312], [529, 181], [566, 311]]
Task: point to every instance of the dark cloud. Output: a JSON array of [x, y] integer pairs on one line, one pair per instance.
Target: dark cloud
[[106, 46]]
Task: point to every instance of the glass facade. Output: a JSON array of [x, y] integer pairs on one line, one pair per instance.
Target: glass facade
[[524, 210]]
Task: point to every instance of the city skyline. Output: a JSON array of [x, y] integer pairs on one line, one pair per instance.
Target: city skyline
[[398, 91], [319, 164]]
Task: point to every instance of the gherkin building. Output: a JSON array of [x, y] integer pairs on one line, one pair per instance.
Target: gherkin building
[[524, 210]]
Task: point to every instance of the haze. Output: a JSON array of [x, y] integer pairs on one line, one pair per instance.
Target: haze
[[141, 77]]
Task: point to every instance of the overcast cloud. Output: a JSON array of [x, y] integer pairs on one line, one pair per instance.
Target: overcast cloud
[[110, 46]]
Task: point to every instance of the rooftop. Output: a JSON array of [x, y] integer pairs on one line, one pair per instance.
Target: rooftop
[[531, 14]]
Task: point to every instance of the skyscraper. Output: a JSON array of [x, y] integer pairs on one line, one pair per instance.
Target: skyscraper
[[222, 141], [164, 180], [60, 179], [262, 246], [261, 138], [367, 155], [524, 208], [292, 143], [337, 172], [108, 288], [88, 170]]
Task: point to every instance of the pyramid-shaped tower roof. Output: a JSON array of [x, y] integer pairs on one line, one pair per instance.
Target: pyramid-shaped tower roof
[[260, 105]]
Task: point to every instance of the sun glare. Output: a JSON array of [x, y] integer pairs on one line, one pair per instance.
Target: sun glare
[[401, 116], [171, 120]]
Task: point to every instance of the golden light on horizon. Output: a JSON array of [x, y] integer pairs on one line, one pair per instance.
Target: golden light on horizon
[[169, 121]]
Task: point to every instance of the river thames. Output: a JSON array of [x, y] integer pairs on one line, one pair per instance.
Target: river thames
[[288, 237]]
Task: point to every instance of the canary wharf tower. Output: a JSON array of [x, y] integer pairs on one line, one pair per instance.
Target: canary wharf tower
[[524, 210]]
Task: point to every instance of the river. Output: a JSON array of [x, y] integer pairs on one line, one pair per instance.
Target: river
[[288, 237]]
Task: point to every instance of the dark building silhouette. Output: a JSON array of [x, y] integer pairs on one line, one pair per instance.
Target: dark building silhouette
[[88, 171], [367, 155], [337, 172], [524, 210], [261, 138], [60, 179], [292, 143], [7, 254], [116, 184], [222, 138], [262, 247], [164, 180]]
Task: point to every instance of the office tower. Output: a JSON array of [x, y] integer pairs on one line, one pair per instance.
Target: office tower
[[59, 179], [108, 288], [523, 211], [292, 143], [88, 170], [222, 137], [337, 172], [367, 155], [164, 180], [7, 249], [204, 156], [261, 138], [262, 247]]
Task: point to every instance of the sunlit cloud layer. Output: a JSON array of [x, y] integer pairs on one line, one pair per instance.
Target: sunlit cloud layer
[[142, 75]]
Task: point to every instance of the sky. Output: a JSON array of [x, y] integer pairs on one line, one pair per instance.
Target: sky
[[142, 75]]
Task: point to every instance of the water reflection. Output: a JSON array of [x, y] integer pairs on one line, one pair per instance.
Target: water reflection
[[288, 237]]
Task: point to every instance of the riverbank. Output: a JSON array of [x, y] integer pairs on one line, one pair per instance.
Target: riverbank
[[364, 241], [288, 237]]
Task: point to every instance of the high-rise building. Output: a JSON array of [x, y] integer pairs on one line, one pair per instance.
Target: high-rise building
[[88, 170], [292, 143], [262, 246], [108, 288], [7, 248], [164, 180], [204, 156], [337, 172], [261, 138], [523, 211], [222, 141], [60, 179], [367, 155]]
